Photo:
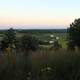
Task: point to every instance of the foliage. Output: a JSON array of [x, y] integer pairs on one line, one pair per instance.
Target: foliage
[[3, 45], [56, 45], [43, 65], [29, 42], [41, 31], [43, 42], [10, 36], [74, 34]]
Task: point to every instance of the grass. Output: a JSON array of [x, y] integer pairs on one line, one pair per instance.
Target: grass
[[41, 65]]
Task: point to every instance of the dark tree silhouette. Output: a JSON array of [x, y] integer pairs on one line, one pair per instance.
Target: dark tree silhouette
[[74, 34], [29, 42], [3, 45], [10, 36]]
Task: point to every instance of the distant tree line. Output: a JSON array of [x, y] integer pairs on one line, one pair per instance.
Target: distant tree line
[[42, 30]]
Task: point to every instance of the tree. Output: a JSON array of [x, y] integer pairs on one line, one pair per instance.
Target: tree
[[29, 42], [9, 36], [74, 34]]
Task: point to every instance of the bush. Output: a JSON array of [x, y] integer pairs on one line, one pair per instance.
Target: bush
[[56, 45], [29, 42], [43, 42]]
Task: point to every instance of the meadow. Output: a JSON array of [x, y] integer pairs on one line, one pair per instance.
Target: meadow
[[44, 35], [41, 65]]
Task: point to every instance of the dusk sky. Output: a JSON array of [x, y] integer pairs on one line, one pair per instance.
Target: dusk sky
[[38, 13]]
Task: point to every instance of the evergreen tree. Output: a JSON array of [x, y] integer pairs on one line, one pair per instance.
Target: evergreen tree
[[74, 34]]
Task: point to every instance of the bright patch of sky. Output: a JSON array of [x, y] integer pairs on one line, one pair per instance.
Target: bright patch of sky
[[38, 12]]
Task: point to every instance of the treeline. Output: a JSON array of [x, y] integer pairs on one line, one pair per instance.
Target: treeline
[[42, 30], [36, 31], [2, 31]]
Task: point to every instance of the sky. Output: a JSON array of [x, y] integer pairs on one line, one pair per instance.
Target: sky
[[38, 13]]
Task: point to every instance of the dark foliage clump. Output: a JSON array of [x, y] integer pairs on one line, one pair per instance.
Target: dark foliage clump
[[10, 36], [74, 34], [29, 43]]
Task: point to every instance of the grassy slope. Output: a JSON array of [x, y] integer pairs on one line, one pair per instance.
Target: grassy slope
[[61, 65]]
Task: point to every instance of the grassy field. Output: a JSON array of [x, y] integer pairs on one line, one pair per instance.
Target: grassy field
[[40, 65], [46, 37]]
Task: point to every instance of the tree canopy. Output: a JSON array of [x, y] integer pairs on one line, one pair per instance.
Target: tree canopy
[[74, 34], [29, 42], [10, 35]]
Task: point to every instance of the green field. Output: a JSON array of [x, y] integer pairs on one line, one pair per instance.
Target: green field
[[46, 37]]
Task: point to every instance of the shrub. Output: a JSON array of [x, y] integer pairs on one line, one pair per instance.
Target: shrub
[[29, 42]]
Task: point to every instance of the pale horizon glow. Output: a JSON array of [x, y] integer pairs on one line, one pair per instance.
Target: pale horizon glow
[[38, 12]]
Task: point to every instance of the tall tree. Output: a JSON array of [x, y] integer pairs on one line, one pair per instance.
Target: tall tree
[[74, 34], [10, 36]]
